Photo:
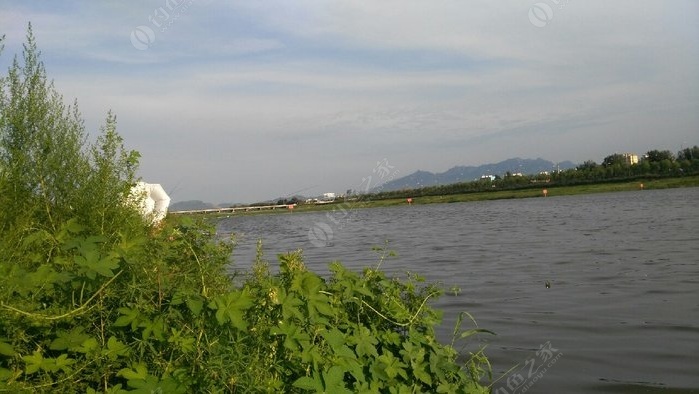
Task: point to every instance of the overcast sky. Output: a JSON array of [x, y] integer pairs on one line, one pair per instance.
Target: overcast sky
[[231, 101]]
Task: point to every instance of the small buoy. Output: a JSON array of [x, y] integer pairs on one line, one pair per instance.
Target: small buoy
[[548, 284], [410, 201], [641, 185], [546, 192]]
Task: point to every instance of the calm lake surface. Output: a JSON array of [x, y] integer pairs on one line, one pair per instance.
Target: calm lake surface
[[622, 310]]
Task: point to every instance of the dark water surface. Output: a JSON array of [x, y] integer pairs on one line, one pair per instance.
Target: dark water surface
[[622, 310]]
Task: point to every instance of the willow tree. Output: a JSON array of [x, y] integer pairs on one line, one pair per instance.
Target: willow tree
[[48, 171]]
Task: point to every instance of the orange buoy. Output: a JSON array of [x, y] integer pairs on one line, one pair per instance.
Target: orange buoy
[[410, 201], [546, 192]]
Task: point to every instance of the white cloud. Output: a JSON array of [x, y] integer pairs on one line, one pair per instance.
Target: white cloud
[[277, 87]]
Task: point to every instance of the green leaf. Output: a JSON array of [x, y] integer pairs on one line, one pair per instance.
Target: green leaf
[[295, 337], [106, 266], [152, 384], [308, 383], [392, 366], [334, 337], [155, 327], [63, 363], [116, 348], [6, 349], [37, 237], [290, 305], [73, 226], [69, 339], [116, 389], [390, 337], [421, 373], [88, 346], [334, 380], [89, 258], [311, 353], [231, 307], [33, 362], [93, 265], [186, 343], [344, 352], [137, 372], [195, 304], [475, 331], [447, 388], [5, 375], [45, 277], [129, 316], [365, 341]]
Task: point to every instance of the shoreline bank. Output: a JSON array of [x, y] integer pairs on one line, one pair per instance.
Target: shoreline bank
[[529, 192]]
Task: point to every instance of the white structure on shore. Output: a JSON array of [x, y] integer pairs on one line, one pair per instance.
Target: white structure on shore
[[151, 200]]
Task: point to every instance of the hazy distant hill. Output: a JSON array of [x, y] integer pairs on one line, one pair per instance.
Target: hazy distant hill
[[189, 205], [469, 173]]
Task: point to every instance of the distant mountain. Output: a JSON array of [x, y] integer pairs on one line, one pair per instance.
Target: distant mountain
[[469, 173], [190, 205]]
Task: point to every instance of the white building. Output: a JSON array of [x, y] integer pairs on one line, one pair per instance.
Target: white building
[[630, 158], [329, 196]]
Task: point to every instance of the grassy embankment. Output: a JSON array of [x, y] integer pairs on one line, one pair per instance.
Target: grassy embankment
[[529, 192]]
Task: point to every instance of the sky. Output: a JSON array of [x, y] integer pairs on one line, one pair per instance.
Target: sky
[[244, 101]]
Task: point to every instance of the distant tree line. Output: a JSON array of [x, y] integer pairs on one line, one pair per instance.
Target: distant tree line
[[655, 163], [615, 167]]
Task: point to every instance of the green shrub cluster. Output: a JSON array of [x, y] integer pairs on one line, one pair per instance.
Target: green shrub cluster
[[158, 312], [95, 299]]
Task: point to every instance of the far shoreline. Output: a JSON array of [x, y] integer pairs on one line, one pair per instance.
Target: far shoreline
[[529, 192]]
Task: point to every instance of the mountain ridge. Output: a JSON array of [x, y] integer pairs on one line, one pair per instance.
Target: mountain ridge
[[456, 174]]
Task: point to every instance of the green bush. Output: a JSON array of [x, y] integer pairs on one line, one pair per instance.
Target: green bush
[[94, 299]]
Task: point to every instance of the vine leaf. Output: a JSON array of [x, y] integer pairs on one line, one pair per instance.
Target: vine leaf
[[331, 381], [6, 349], [128, 317], [366, 343], [231, 307], [309, 383], [116, 348], [137, 372], [294, 336], [69, 339], [34, 362]]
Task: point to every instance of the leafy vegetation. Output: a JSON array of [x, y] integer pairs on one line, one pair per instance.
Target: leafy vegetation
[[95, 299]]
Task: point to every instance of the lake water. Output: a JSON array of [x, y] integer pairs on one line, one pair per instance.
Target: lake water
[[621, 313]]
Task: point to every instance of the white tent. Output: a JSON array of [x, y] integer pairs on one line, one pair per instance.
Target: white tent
[[152, 200]]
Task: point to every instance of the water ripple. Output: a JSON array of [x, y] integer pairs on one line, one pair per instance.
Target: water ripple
[[622, 304]]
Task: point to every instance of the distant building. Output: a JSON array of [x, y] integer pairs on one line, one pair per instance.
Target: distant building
[[324, 199], [488, 177], [630, 158]]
